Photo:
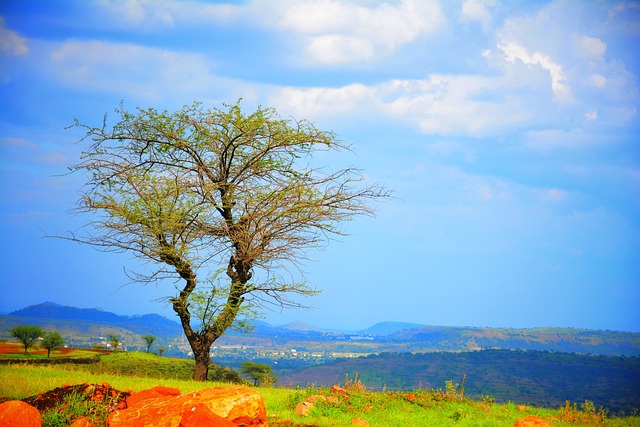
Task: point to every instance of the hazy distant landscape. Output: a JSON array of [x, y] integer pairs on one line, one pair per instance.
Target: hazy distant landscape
[[541, 366]]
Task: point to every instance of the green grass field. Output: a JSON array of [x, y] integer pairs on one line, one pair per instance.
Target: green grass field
[[447, 407]]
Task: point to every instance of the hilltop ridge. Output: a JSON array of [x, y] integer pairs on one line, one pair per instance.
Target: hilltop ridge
[[381, 337]]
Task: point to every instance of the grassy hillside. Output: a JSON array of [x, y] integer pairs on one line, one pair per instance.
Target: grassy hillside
[[447, 407], [529, 377]]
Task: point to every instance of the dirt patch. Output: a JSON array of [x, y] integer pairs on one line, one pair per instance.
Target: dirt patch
[[101, 393]]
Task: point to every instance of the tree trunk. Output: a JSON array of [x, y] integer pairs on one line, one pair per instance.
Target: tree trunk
[[201, 355]]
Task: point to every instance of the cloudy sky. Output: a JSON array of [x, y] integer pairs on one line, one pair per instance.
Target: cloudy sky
[[508, 131]]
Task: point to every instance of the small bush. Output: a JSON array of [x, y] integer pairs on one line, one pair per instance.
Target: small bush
[[588, 414]]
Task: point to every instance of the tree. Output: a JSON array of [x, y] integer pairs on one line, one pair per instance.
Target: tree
[[259, 372], [114, 340], [26, 334], [149, 339], [51, 341], [199, 191]]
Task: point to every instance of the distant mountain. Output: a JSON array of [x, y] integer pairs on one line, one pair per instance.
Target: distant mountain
[[567, 340], [300, 326], [148, 324], [388, 328]]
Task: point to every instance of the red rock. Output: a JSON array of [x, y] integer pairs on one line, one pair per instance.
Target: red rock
[[532, 421], [359, 422], [82, 422], [337, 389], [200, 415], [16, 413], [152, 393], [240, 405], [305, 407]]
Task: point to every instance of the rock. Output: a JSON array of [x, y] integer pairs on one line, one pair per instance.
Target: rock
[[304, 408], [532, 421], [15, 413], [239, 405], [337, 389], [200, 415], [152, 393], [359, 422], [82, 422], [308, 404]]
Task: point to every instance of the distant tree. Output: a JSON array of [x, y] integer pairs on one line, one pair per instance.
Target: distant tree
[[149, 339], [259, 372], [160, 351], [52, 341], [114, 340], [196, 190], [26, 334]]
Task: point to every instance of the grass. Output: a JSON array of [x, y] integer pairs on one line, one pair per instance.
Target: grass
[[442, 407]]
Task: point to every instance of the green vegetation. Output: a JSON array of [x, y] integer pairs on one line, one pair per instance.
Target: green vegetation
[[52, 341], [114, 340], [438, 407], [149, 365], [75, 406], [531, 377], [259, 372], [149, 340], [26, 334]]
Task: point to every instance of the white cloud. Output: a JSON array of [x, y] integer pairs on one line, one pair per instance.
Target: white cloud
[[514, 51], [11, 42], [477, 11], [307, 102], [337, 33], [592, 46]]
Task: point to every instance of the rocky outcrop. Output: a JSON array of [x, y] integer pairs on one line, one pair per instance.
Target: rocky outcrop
[[234, 406], [16, 413]]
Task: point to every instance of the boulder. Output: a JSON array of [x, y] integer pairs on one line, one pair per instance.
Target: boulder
[[152, 393], [237, 404], [532, 421], [200, 416], [15, 413]]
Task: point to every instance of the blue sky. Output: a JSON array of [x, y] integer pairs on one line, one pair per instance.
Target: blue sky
[[508, 131]]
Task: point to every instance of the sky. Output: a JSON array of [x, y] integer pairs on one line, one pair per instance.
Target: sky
[[508, 132]]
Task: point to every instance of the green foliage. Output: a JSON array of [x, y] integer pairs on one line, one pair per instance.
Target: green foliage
[[114, 340], [149, 340], [52, 341], [26, 334], [260, 373], [76, 405], [141, 364]]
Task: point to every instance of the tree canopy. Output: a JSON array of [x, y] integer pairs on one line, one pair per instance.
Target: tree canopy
[[51, 341], [26, 334], [199, 192]]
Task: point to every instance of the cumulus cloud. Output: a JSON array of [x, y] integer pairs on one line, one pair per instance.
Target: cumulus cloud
[[12, 43], [338, 33]]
